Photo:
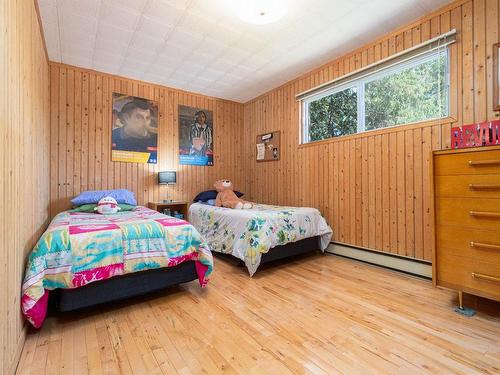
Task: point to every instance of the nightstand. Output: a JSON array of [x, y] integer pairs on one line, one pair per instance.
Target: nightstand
[[181, 207]]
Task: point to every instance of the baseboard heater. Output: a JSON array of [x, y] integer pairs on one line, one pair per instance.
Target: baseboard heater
[[392, 261]]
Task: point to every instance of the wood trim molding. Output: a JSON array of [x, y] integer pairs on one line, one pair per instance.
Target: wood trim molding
[[496, 77], [371, 133], [19, 349], [40, 25]]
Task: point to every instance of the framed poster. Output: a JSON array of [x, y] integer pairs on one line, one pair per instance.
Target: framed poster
[[496, 77], [196, 136], [134, 136]]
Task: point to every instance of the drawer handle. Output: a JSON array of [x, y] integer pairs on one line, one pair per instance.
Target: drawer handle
[[482, 276], [483, 187], [484, 245], [478, 163], [495, 215]]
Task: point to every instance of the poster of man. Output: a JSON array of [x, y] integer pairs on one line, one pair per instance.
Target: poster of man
[[135, 130], [196, 136]]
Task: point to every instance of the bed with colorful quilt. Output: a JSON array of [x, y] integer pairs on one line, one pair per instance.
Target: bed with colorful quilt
[[112, 257], [262, 233]]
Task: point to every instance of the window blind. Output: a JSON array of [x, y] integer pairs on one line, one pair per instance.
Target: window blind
[[438, 42]]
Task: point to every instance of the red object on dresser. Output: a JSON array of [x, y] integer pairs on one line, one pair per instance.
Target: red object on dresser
[[476, 135]]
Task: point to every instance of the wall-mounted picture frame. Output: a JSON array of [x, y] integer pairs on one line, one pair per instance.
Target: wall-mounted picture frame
[[196, 136], [134, 135], [496, 77], [268, 146]]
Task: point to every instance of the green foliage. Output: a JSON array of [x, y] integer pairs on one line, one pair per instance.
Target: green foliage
[[411, 95], [334, 115]]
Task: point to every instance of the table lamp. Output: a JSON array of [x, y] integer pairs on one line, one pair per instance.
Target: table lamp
[[167, 178]]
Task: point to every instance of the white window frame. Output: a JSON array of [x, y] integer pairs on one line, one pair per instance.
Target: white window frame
[[360, 84]]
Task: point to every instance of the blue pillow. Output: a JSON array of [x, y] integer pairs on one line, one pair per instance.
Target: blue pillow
[[210, 202], [122, 196], [210, 194]]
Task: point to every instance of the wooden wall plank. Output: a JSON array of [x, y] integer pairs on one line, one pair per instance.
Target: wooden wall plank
[[25, 168], [82, 122], [388, 210]]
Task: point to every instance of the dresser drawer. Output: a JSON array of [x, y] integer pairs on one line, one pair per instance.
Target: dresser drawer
[[459, 271], [479, 162], [469, 212], [483, 245], [468, 186]]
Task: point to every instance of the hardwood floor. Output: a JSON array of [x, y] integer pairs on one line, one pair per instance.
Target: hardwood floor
[[320, 314]]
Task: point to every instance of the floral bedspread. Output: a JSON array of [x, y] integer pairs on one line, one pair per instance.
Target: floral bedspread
[[79, 248], [247, 234]]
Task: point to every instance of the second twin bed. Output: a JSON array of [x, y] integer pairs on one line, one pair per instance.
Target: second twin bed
[[261, 233]]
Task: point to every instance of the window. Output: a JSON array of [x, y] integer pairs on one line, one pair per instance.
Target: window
[[413, 90]]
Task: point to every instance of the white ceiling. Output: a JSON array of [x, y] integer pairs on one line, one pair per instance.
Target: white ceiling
[[201, 46]]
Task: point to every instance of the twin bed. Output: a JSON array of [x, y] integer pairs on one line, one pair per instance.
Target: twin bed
[[114, 251], [86, 259], [262, 233]]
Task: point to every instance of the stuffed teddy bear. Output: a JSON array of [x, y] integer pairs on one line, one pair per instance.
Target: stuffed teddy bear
[[227, 198], [107, 205]]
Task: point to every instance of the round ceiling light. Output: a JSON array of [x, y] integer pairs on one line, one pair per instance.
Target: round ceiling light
[[261, 12]]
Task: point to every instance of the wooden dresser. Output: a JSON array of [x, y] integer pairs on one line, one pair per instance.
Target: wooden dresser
[[467, 221]]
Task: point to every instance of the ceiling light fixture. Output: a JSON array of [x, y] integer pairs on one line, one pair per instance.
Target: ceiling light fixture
[[261, 12]]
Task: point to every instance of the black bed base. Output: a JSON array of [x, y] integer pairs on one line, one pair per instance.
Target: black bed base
[[291, 249], [121, 287], [305, 246]]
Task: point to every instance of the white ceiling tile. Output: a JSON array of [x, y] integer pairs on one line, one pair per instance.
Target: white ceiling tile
[[77, 60], [430, 5], [167, 59], [225, 35], [154, 28], [192, 67], [141, 56], [210, 46], [211, 75], [87, 8], [105, 67], [71, 22], [242, 70], [122, 17], [115, 34], [174, 51], [201, 58], [164, 12], [159, 69], [150, 77], [136, 5], [202, 45], [182, 37], [141, 41], [71, 49], [48, 13], [47, 3], [198, 23], [214, 10], [111, 46], [53, 49], [223, 64], [107, 57]]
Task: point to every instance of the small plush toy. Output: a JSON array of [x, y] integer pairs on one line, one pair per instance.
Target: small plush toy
[[107, 205], [226, 196]]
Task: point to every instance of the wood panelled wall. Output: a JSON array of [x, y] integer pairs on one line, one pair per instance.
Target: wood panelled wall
[[80, 149], [24, 161], [373, 187]]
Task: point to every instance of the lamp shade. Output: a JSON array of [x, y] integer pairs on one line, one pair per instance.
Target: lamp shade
[[167, 177]]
